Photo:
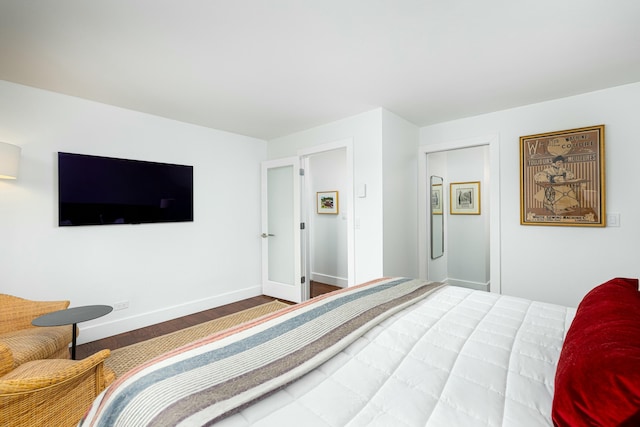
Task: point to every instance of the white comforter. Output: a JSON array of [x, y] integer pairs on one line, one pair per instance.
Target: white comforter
[[458, 358]]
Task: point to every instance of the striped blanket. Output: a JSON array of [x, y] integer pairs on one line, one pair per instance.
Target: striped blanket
[[208, 380]]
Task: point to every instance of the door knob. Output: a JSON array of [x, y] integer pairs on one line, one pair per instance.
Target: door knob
[[265, 235]]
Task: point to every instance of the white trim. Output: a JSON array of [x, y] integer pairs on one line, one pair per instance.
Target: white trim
[[469, 285], [493, 142], [99, 328], [329, 280]]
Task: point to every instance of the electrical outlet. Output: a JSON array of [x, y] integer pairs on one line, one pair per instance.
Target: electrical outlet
[[121, 305], [613, 219]]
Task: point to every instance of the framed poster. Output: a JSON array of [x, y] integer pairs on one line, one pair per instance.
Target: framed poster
[[436, 199], [327, 202], [464, 198], [562, 178]]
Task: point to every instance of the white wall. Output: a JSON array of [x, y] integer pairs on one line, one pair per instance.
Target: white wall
[[560, 264], [365, 131], [400, 192], [163, 270], [385, 162]]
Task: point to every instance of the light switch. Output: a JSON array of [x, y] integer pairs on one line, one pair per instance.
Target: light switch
[[361, 190], [613, 219]]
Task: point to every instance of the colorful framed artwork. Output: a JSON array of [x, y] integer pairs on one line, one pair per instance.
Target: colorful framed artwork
[[327, 202], [562, 178], [464, 198]]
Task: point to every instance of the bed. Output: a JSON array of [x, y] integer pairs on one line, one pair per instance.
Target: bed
[[400, 352]]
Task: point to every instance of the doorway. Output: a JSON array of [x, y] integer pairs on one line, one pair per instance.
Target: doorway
[[429, 267], [326, 181], [323, 243]]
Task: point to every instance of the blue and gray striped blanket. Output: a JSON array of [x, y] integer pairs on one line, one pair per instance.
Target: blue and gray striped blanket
[[207, 380]]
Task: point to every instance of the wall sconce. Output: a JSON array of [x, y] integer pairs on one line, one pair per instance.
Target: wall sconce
[[9, 160]]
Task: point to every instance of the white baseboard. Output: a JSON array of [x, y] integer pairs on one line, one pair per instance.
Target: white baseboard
[[95, 330], [329, 280], [478, 286]]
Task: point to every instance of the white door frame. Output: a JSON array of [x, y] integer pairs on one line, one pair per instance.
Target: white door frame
[[494, 204]]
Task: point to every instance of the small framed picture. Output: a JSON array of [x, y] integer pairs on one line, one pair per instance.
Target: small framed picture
[[436, 199], [464, 198], [327, 202]]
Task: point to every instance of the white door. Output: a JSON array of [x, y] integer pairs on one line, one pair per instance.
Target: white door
[[281, 231]]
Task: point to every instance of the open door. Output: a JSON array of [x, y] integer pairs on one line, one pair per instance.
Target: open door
[[281, 230]]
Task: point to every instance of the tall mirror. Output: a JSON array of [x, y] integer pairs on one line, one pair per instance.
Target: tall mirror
[[437, 221]]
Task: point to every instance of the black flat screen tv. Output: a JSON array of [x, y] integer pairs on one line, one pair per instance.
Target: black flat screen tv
[[94, 190]]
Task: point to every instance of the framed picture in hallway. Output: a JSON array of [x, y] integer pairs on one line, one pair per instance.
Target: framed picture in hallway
[[327, 202], [464, 198], [562, 178]]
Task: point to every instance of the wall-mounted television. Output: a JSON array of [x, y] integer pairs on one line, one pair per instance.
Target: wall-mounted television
[[95, 190]]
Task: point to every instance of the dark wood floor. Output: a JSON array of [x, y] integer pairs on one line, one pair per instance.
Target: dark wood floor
[[167, 327], [318, 289]]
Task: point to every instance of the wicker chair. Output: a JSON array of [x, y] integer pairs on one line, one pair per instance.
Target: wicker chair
[[53, 392], [20, 341], [39, 386]]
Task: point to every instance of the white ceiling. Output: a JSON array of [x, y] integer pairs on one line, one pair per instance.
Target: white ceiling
[[268, 68]]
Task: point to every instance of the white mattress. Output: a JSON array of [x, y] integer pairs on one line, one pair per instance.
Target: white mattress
[[458, 358]]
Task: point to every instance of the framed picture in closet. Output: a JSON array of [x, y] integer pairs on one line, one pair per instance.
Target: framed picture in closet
[[327, 202], [464, 198], [436, 199]]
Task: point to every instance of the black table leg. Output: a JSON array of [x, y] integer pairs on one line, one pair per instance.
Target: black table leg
[[73, 343]]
